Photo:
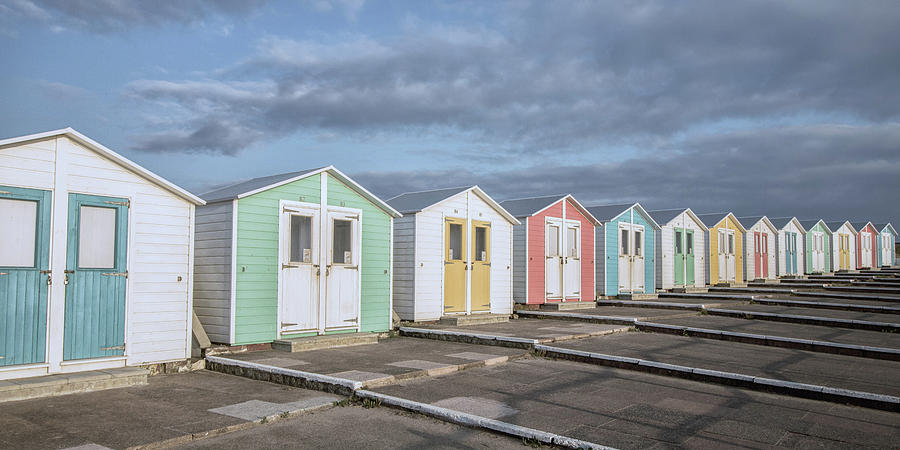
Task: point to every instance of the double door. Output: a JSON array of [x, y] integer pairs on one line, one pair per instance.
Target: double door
[[790, 253], [866, 253], [817, 251], [94, 280], [631, 257], [887, 249], [843, 251], [467, 266], [684, 257], [562, 259], [320, 258], [761, 254], [725, 255]]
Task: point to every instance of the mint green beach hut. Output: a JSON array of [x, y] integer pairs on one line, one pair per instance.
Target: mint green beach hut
[[292, 255]]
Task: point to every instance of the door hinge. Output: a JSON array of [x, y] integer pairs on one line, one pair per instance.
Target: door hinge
[[351, 320], [287, 324], [5, 193], [4, 273], [126, 203], [117, 347], [116, 274]]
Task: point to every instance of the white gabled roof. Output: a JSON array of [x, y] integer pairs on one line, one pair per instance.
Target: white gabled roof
[[665, 216], [753, 220], [413, 202], [117, 158]]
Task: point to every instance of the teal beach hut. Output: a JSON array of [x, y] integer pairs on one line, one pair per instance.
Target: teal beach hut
[[817, 246], [887, 239], [626, 250]]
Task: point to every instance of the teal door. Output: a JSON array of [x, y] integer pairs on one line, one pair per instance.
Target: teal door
[[24, 274], [95, 277], [679, 257], [689, 257]]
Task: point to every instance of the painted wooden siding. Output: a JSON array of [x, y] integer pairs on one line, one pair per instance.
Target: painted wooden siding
[[537, 236], [782, 249], [873, 262], [713, 242], [835, 245], [665, 252], [256, 264], [665, 269], [520, 261], [375, 307], [881, 261], [600, 244], [404, 266], [501, 254], [159, 252], [612, 253], [750, 247], [212, 269], [587, 251], [808, 253], [30, 165]]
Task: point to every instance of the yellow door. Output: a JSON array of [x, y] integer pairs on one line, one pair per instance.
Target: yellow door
[[481, 266], [454, 265]]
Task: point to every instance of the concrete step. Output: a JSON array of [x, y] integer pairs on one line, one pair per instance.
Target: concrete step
[[690, 290], [473, 319], [304, 344], [730, 284], [71, 383], [568, 306], [765, 281], [862, 289], [637, 296]]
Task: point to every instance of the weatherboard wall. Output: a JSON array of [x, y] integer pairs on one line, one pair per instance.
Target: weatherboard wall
[[771, 251], [212, 269], [610, 252], [713, 242], [791, 227], [893, 239], [809, 245], [537, 236], [404, 292], [665, 251], [873, 262], [835, 247], [587, 250]]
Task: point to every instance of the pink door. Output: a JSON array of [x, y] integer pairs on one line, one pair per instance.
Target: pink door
[[764, 254], [757, 266]]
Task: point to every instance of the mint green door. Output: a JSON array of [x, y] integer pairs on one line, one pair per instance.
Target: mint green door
[[24, 274], [95, 277], [689, 257], [679, 257]]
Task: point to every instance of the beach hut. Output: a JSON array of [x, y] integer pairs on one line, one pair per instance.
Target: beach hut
[[843, 245], [818, 246], [293, 255], [866, 245], [887, 238], [680, 249], [760, 258], [790, 243], [95, 259], [452, 254], [553, 250], [725, 257], [626, 250]]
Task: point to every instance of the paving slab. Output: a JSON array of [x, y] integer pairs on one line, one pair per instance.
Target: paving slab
[[627, 409], [631, 312], [838, 371], [355, 427], [388, 360], [827, 300], [168, 407], [701, 299], [791, 330], [543, 330], [817, 312]]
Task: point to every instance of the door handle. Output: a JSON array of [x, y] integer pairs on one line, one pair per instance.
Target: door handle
[[117, 347]]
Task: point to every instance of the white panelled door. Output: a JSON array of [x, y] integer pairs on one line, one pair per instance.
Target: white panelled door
[[631, 257], [726, 255], [572, 260], [554, 259], [887, 249], [300, 269], [865, 247], [342, 270]]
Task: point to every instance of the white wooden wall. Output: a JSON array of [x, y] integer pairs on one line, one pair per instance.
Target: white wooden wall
[[782, 253], [160, 229], [665, 272], [212, 269], [750, 251], [429, 245], [835, 261], [404, 266]]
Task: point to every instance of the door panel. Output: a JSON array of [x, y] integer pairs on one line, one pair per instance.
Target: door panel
[[300, 270], [553, 260], [689, 257], [96, 266], [624, 258], [678, 261], [481, 266], [455, 265], [729, 256], [764, 254], [757, 263], [572, 261], [24, 274], [637, 260], [342, 271], [722, 255]]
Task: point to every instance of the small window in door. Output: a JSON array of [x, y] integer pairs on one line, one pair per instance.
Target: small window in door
[[97, 238], [730, 244], [553, 244], [455, 242], [572, 242], [678, 245], [301, 239], [480, 244], [342, 242], [18, 224], [721, 242], [690, 243], [638, 241], [623, 242]]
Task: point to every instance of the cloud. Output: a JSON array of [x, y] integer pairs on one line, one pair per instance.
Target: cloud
[[545, 78], [818, 171], [104, 16], [60, 91]]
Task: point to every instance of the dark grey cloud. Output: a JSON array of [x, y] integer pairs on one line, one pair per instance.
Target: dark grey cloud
[[819, 171], [548, 77], [102, 16]]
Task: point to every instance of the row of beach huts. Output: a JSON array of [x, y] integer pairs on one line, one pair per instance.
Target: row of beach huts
[[104, 264]]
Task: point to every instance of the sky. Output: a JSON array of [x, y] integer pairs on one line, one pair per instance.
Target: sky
[[757, 107]]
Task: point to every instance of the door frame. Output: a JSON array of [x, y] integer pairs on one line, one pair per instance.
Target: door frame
[[298, 207]]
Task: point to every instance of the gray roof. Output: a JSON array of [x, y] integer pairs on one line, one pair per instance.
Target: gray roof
[[859, 225], [711, 219], [835, 224], [232, 191], [523, 207], [664, 216], [781, 222], [605, 213], [413, 202], [810, 223], [749, 221]]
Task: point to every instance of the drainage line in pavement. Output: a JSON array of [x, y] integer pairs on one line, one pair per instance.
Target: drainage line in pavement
[[828, 305], [809, 320], [846, 295], [591, 318], [810, 391]]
